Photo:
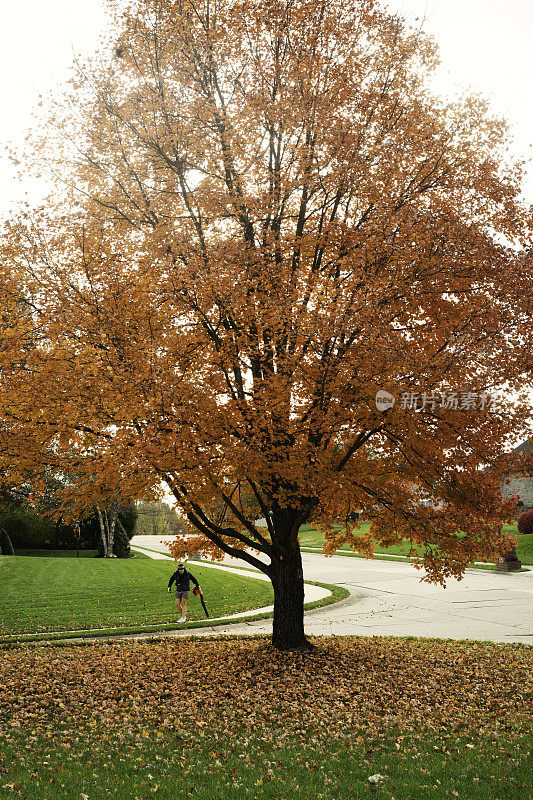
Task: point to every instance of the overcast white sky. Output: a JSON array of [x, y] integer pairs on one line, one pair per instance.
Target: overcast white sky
[[485, 44]]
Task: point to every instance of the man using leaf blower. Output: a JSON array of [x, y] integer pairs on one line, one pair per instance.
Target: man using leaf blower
[[183, 580]]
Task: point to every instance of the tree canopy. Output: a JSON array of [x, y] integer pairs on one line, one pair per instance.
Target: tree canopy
[[264, 217]]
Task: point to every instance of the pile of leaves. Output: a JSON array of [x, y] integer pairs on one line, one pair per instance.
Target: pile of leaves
[[345, 685]]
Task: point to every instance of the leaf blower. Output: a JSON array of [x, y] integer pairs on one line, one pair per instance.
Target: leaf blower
[[198, 591]]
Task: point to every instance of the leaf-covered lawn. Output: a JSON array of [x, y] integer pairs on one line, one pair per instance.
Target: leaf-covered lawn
[[232, 718], [55, 594]]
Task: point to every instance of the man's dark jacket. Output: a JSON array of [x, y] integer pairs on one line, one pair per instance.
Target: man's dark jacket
[[183, 581]]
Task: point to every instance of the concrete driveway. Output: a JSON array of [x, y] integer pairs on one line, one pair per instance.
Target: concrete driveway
[[388, 599]]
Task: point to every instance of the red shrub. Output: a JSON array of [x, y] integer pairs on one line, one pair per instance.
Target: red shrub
[[525, 522]]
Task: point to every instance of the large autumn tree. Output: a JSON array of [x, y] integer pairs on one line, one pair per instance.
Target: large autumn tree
[[263, 217]]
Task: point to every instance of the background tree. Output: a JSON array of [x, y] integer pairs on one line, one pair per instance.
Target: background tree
[[267, 218], [30, 519], [37, 515], [6, 546], [158, 519], [116, 526]]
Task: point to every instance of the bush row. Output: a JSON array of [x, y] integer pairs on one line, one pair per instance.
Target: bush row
[[28, 529]]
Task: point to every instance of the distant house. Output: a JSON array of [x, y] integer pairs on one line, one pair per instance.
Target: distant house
[[522, 485]]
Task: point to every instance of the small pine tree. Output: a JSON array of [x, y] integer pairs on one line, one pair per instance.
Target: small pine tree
[[525, 522], [128, 518], [6, 546], [121, 543]]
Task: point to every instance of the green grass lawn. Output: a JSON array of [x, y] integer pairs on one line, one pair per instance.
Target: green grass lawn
[[232, 719], [311, 537], [56, 594]]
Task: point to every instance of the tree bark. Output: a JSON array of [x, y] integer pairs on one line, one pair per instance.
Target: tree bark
[[288, 582], [108, 521], [103, 535], [111, 523]]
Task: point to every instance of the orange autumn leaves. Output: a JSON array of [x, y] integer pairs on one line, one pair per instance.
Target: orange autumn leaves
[[268, 218], [345, 686]]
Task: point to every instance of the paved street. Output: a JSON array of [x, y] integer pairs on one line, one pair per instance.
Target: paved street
[[387, 598]]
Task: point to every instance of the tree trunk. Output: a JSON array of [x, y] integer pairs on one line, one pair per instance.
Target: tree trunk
[[111, 523], [288, 582], [103, 535], [108, 521]]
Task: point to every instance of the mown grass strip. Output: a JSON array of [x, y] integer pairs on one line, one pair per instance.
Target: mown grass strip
[[45, 595], [337, 593], [311, 537], [207, 765], [403, 559]]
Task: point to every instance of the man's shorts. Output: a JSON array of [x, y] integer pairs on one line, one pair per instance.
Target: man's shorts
[[182, 595]]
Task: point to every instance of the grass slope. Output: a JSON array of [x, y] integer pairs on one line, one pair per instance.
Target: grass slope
[[235, 720], [311, 537], [55, 594]]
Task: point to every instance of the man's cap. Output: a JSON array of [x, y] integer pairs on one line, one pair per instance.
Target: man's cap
[[181, 566]]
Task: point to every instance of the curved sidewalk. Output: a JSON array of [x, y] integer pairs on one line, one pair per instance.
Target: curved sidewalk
[[387, 598]]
